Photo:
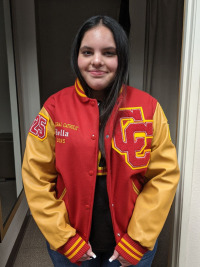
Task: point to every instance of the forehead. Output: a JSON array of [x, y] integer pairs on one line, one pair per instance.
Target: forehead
[[99, 35]]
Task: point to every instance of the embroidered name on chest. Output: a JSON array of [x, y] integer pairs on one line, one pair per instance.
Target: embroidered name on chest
[[61, 132], [133, 136], [61, 135]]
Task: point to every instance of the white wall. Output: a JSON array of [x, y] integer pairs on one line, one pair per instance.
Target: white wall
[[186, 241], [193, 240]]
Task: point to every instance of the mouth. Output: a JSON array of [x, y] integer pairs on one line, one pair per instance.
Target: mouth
[[97, 73]]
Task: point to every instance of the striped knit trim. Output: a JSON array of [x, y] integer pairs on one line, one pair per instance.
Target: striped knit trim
[[129, 253], [75, 248], [130, 250], [72, 247], [79, 89], [131, 247], [101, 171]]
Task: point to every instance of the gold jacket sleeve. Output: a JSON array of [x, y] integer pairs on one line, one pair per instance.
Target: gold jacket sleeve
[[154, 202], [39, 177]]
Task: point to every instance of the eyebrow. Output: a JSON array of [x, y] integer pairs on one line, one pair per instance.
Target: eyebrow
[[85, 47], [106, 48]]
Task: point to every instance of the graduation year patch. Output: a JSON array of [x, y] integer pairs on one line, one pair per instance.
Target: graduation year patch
[[39, 127], [133, 135]]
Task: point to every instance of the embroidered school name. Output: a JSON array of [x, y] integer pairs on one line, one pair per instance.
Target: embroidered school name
[[66, 125]]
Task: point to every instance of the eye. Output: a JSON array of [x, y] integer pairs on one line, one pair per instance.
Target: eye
[[86, 53], [110, 53]]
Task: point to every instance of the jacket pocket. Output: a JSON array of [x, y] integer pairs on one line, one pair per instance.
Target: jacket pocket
[[137, 187], [62, 194]]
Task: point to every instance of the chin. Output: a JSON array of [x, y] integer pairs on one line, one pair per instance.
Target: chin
[[98, 86]]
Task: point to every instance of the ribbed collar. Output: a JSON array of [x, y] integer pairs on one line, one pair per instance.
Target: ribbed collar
[[81, 93]]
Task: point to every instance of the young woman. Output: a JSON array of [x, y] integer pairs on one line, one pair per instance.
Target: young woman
[[100, 171]]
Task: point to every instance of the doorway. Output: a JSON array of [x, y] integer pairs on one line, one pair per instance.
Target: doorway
[[55, 32]]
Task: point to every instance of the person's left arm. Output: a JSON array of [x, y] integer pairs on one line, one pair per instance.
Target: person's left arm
[[154, 202]]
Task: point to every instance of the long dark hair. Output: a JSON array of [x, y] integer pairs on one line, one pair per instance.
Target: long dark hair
[[121, 42]]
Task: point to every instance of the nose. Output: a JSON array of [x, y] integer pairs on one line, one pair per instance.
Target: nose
[[97, 60]]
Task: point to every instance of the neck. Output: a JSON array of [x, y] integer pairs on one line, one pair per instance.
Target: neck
[[98, 94]]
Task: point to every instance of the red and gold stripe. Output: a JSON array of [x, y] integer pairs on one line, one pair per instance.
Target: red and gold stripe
[[101, 170], [70, 253], [75, 248], [130, 250], [79, 89]]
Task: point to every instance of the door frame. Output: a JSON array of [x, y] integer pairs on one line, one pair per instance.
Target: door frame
[[187, 127]]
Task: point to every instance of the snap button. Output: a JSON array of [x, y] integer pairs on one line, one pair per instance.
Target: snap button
[[92, 103], [93, 137], [91, 172], [107, 136], [112, 205], [118, 234]]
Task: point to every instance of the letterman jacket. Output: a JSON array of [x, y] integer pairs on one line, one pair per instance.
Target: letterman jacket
[[60, 166]]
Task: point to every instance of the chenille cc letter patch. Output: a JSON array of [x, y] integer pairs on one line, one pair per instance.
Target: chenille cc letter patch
[[133, 135]]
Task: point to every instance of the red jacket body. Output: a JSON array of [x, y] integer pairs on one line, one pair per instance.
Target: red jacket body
[[141, 164]]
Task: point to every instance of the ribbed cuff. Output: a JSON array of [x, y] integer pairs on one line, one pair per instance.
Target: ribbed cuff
[[130, 250], [74, 249]]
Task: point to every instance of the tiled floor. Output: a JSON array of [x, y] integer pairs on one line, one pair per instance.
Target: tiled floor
[[33, 252]]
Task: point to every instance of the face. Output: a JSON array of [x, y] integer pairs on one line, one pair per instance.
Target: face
[[97, 59]]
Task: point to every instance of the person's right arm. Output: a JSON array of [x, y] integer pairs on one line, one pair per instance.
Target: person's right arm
[[39, 178]]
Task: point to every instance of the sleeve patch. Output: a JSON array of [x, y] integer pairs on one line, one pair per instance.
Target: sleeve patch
[[38, 128]]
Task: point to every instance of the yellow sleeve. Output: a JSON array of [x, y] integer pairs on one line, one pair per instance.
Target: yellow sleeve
[[154, 202], [39, 178]]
